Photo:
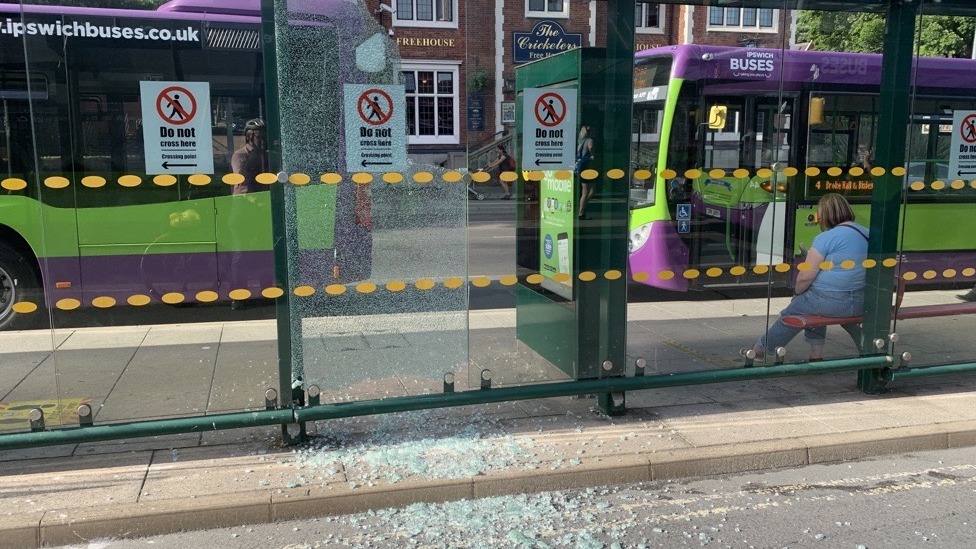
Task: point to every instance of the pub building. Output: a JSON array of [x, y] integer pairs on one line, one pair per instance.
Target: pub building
[[459, 60]]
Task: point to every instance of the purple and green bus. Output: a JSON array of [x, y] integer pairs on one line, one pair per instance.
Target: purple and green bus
[[82, 223], [749, 140]]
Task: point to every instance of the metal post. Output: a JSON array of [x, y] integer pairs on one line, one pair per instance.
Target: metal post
[[895, 102], [610, 339], [279, 243]]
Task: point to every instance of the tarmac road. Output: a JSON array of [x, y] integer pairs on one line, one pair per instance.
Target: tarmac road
[[922, 499]]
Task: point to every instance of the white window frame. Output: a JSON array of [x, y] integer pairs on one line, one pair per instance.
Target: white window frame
[[546, 14], [660, 18], [438, 66], [740, 27], [452, 24]]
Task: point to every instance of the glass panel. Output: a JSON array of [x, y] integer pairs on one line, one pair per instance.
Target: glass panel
[[445, 83], [721, 222], [716, 16], [404, 9], [426, 82], [426, 115], [30, 378], [411, 116], [765, 18], [555, 6], [151, 263], [445, 10], [937, 260], [425, 10], [732, 16], [376, 241], [537, 5], [653, 15], [749, 17], [445, 117]]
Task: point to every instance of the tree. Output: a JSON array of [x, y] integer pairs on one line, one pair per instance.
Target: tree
[[940, 36], [121, 4]]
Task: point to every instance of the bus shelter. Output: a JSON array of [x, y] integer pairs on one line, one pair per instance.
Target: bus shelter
[[281, 211]]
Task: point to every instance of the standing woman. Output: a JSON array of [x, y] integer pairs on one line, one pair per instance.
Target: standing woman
[[505, 163], [584, 156], [838, 292]]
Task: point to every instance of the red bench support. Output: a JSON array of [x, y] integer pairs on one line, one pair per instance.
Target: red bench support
[[852, 324]]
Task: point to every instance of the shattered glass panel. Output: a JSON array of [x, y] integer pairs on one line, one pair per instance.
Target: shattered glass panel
[[373, 255]]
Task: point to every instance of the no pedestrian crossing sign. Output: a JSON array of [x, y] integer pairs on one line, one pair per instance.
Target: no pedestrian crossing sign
[[176, 127], [376, 139], [549, 129], [962, 157]]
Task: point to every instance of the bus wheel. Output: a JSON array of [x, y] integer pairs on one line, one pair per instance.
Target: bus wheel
[[18, 283]]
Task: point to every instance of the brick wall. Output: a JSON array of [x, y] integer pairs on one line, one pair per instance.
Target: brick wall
[[421, 44], [777, 39], [473, 45]]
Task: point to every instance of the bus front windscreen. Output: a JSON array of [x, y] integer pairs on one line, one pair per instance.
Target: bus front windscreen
[[651, 78]]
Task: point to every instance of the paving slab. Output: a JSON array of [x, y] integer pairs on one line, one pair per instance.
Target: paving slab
[[218, 470], [97, 480]]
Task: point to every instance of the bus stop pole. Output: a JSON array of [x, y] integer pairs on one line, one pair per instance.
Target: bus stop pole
[[619, 98], [894, 110]]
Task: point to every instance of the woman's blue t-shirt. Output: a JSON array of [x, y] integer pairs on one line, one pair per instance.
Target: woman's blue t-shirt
[[842, 243]]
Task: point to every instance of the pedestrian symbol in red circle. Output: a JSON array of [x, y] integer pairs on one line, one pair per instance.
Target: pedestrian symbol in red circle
[[375, 107], [550, 109], [968, 129], [176, 105]]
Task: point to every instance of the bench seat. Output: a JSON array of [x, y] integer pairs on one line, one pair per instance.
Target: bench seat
[[904, 313]]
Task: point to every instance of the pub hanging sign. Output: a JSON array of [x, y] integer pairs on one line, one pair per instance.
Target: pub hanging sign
[[545, 39]]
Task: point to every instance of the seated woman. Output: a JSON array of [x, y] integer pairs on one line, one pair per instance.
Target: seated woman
[[837, 292]]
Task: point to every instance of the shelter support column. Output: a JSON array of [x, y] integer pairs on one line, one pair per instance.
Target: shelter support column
[[609, 297], [895, 103]]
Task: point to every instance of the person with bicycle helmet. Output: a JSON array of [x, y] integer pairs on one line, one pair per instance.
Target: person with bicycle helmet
[[252, 158]]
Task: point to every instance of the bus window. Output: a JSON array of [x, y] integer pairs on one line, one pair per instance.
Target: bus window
[[844, 137], [646, 133], [930, 140], [773, 120], [683, 146], [722, 144]]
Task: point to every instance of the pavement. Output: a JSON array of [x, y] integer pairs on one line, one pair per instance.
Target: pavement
[[70, 494]]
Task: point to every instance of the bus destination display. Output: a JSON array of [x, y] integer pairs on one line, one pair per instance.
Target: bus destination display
[[819, 186]]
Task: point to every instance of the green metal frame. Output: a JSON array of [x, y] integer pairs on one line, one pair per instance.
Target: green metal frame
[[423, 402], [279, 244]]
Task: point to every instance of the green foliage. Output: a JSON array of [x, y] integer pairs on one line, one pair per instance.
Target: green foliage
[[940, 36], [944, 36], [122, 4], [479, 80]]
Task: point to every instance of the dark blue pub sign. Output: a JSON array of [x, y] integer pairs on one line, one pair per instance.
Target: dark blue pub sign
[[546, 38]]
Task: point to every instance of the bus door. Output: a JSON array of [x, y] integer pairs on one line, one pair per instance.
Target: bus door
[[739, 219], [764, 204], [715, 225]]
